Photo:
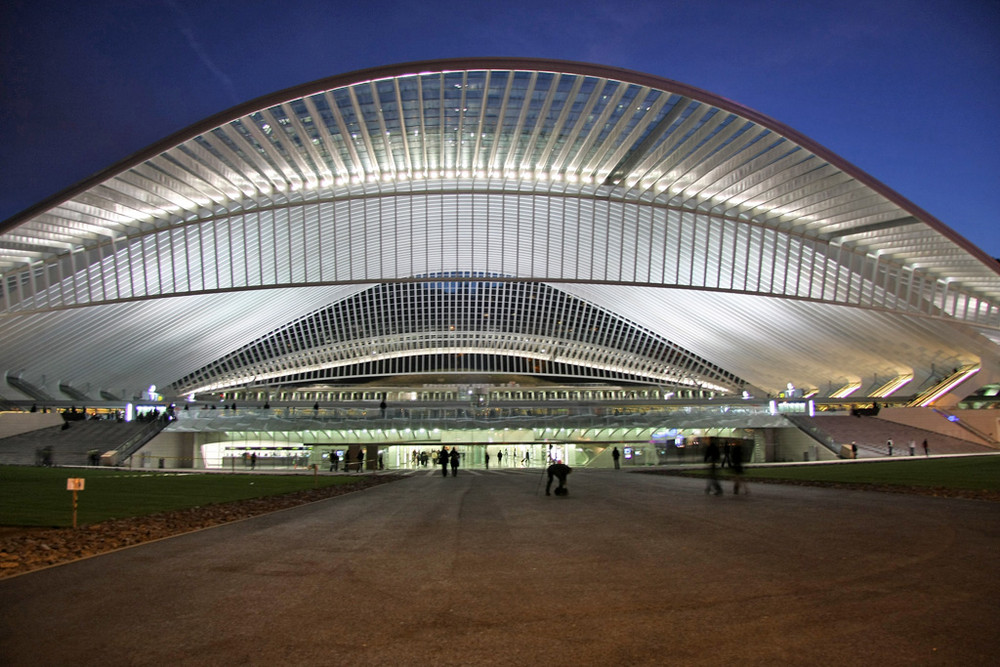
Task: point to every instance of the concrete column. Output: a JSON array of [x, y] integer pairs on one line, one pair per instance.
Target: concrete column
[[764, 445], [351, 462]]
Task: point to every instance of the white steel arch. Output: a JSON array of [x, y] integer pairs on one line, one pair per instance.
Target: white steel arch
[[638, 194]]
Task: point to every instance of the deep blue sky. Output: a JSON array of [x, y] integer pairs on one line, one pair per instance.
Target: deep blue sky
[[907, 90]]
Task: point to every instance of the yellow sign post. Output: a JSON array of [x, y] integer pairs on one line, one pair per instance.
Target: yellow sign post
[[74, 484]]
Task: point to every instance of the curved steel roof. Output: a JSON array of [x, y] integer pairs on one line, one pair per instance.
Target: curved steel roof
[[696, 219]]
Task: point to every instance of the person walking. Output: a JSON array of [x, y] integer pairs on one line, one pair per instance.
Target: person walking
[[927, 451], [615, 455], [334, 461], [736, 464], [487, 459], [454, 461], [712, 456], [499, 457], [443, 460], [889, 445]]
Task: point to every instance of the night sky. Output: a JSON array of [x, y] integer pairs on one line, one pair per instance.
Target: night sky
[[909, 91]]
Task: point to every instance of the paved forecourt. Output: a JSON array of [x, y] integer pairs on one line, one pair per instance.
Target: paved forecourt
[[483, 568]]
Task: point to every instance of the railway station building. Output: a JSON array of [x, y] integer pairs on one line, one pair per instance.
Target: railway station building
[[538, 258]]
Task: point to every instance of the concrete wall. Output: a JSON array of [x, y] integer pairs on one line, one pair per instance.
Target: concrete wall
[[793, 445], [16, 423], [986, 421], [176, 450]]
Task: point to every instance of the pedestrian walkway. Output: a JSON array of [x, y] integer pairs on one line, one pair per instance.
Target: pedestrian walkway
[[476, 472], [484, 569]]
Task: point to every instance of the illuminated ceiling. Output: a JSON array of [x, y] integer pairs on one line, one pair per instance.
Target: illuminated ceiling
[[703, 227]]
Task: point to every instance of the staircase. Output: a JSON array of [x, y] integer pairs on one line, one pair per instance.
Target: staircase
[[75, 442]]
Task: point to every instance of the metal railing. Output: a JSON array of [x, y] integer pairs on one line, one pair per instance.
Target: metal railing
[[137, 440]]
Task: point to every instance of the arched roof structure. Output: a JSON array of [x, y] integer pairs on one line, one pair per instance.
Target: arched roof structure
[[272, 241]]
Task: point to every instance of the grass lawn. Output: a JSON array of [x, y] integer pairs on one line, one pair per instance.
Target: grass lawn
[[32, 496], [977, 473]]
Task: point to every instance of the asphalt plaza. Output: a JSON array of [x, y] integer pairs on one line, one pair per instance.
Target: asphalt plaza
[[484, 569]]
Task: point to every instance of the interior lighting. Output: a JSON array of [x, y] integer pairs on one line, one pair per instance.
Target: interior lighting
[[892, 386], [846, 390], [948, 386]]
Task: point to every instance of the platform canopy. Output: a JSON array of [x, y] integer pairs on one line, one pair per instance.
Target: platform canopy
[[489, 215]]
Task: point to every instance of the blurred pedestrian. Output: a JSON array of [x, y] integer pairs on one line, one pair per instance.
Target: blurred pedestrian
[[712, 455], [736, 463]]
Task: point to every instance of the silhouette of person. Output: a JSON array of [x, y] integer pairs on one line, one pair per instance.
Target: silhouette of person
[[927, 451], [736, 463], [253, 461], [712, 458], [443, 460], [334, 461], [487, 459], [454, 461], [558, 470], [888, 443], [615, 455], [361, 460], [499, 458]]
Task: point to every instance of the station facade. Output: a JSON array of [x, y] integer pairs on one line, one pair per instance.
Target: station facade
[[660, 259]]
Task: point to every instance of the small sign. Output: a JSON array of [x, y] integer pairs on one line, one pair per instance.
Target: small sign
[[74, 484]]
